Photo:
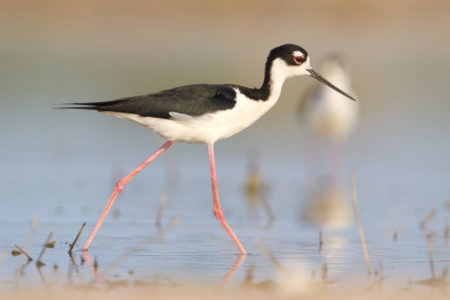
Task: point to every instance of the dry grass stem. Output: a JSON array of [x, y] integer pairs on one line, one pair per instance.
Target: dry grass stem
[[76, 238], [320, 241], [430, 254], [358, 222], [39, 262], [427, 219], [23, 252], [162, 204], [50, 244]]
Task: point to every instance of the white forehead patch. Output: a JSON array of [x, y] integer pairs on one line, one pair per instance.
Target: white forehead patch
[[298, 53]]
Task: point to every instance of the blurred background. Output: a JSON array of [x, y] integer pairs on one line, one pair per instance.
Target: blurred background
[[61, 165]]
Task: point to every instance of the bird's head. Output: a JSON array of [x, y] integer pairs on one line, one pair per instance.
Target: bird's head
[[290, 60]]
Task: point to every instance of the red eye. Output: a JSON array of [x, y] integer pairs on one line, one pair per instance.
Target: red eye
[[299, 59]]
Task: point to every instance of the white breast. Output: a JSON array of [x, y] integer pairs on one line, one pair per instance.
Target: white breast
[[333, 114], [207, 128]]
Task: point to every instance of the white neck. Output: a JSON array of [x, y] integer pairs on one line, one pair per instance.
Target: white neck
[[278, 76]]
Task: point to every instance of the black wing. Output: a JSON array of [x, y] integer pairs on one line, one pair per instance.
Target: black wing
[[193, 100]]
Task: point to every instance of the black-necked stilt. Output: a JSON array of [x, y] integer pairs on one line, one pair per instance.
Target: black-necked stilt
[[206, 113]]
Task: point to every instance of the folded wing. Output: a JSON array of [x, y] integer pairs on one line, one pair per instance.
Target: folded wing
[[192, 100]]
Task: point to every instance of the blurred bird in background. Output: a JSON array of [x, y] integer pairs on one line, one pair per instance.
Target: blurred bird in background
[[329, 124]]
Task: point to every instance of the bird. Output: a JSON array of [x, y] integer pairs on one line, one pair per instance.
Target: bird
[[329, 119], [205, 113]]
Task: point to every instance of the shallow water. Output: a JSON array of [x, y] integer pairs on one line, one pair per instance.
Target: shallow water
[[130, 247]]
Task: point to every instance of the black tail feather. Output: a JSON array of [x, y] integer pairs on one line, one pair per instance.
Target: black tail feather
[[73, 106], [93, 105]]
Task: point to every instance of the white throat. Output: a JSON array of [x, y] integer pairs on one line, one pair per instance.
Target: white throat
[[280, 71], [278, 75]]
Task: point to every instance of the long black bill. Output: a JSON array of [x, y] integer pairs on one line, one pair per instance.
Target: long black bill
[[317, 76]]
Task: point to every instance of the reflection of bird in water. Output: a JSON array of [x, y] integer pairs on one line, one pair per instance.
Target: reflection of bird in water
[[256, 192], [327, 205], [330, 119]]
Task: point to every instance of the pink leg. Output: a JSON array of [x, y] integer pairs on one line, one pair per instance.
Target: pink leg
[[119, 187], [217, 210]]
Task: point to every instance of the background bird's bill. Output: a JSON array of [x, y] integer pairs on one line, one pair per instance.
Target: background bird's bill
[[317, 76]]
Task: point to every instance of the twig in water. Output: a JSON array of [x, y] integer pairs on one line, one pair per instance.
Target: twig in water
[[427, 219], [74, 267], [162, 204], [446, 232], [430, 254], [324, 272], [76, 238], [320, 241], [35, 223], [248, 280], [21, 270], [95, 264], [50, 244], [44, 281], [39, 263], [268, 210], [23, 252], [358, 222], [33, 230]]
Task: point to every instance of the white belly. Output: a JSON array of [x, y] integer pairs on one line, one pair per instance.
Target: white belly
[[333, 115], [207, 128]]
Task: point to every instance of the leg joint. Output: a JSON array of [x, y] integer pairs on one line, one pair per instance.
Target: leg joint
[[120, 185], [218, 214]]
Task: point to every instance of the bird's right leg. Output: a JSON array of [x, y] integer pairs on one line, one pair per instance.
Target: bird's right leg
[[217, 210], [119, 187]]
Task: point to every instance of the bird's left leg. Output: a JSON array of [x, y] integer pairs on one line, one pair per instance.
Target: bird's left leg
[[119, 187]]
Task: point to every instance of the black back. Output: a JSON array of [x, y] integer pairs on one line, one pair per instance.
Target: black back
[[193, 100]]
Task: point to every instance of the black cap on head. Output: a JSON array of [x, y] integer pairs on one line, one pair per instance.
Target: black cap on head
[[285, 52]]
